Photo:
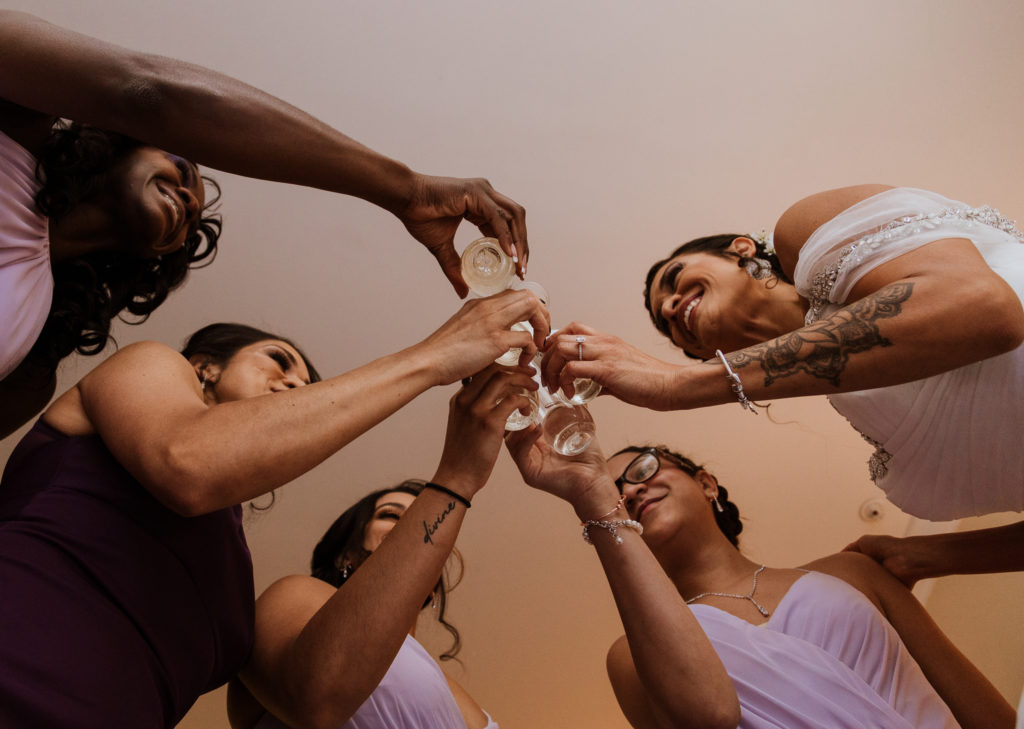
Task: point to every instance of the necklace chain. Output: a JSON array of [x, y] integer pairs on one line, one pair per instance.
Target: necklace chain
[[749, 596]]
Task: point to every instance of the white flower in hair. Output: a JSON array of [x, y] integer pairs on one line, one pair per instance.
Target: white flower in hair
[[766, 239]]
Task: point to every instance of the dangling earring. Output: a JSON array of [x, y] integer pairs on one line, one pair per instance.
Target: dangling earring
[[202, 383], [757, 268], [718, 505], [346, 572]]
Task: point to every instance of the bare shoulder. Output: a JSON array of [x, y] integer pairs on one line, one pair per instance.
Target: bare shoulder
[[140, 353], [295, 590], [805, 216], [857, 570], [619, 661]]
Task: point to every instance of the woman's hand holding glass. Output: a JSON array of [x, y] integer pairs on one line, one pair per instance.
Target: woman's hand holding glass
[[439, 204], [480, 332], [476, 424], [583, 481], [619, 368]]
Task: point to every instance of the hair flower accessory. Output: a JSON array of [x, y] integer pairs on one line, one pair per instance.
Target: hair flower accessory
[[766, 239]]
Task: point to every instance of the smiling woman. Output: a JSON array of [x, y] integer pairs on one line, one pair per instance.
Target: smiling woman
[[713, 639], [902, 306]]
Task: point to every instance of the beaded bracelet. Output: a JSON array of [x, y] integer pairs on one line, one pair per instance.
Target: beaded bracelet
[[438, 487], [612, 526], [734, 383]]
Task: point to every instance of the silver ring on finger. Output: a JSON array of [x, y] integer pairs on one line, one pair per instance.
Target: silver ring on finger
[[580, 339]]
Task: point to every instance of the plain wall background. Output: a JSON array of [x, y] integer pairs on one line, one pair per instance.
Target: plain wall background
[[624, 129]]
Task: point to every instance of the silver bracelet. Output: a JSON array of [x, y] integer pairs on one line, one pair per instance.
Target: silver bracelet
[[734, 383], [618, 505], [612, 526]]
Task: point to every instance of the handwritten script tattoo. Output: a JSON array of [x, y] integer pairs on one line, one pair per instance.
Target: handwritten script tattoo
[[429, 529], [823, 348]]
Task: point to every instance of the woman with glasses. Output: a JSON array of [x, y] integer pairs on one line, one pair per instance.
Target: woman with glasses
[[713, 639]]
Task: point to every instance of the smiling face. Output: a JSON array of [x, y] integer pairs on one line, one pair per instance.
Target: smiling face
[[257, 369], [668, 499], [386, 512], [707, 302], [157, 198]]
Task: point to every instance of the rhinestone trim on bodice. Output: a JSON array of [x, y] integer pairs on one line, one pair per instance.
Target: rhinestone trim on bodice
[[854, 253]]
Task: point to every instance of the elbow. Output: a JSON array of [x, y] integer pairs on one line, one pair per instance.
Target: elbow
[[999, 315], [141, 94], [179, 482], [1006, 329]]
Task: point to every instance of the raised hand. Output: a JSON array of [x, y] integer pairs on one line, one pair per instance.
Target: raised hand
[[439, 204], [893, 553], [480, 332], [621, 369], [583, 480], [476, 424]]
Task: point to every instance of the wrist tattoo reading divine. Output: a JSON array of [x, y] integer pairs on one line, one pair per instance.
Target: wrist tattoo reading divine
[[823, 348], [429, 529]]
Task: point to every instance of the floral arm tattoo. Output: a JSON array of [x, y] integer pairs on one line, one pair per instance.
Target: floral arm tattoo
[[823, 348]]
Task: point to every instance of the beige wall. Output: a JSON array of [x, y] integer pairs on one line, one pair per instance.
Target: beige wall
[[624, 128]]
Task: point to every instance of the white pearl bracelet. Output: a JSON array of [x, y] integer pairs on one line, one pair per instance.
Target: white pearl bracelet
[[612, 526]]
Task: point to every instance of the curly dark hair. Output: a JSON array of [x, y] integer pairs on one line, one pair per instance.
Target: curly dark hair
[[716, 245], [89, 291], [728, 519], [340, 552]]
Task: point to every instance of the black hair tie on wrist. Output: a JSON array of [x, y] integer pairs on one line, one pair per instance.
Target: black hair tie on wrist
[[438, 487]]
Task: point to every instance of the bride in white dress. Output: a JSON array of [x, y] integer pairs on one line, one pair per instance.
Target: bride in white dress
[[902, 306]]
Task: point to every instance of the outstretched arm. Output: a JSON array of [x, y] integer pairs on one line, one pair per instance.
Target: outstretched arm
[[665, 671], [221, 122], [320, 651], [928, 311], [146, 404], [972, 698], [997, 549]]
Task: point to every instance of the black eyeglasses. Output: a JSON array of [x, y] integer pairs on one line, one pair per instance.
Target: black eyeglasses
[[646, 464]]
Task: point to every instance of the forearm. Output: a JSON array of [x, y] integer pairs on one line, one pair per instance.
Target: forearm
[[345, 649], [669, 648], [998, 549], [886, 338], [231, 452], [681, 673], [207, 116]]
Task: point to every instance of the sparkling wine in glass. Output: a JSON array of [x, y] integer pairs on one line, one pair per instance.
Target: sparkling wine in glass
[[486, 268]]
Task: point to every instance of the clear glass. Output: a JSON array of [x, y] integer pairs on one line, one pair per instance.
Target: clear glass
[[518, 421], [585, 390], [511, 357], [569, 429], [534, 288], [486, 268]]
